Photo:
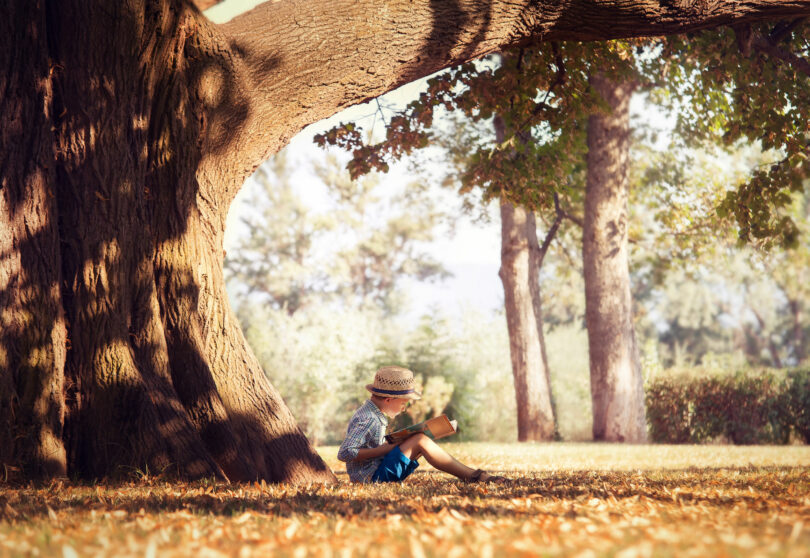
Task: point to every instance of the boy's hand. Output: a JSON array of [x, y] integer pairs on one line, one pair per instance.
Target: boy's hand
[[370, 453]]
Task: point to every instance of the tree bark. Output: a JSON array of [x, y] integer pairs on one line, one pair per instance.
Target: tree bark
[[519, 275], [617, 389], [127, 128], [32, 324], [520, 268]]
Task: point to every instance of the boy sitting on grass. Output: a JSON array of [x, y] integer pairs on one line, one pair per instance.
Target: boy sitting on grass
[[369, 459]]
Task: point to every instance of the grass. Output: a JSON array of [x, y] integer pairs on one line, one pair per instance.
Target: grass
[[564, 500]]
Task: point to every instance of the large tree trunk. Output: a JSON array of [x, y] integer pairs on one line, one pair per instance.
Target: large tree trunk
[[520, 269], [617, 389], [117, 240], [126, 129]]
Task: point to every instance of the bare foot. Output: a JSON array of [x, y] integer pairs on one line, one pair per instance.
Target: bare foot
[[486, 477], [479, 475]]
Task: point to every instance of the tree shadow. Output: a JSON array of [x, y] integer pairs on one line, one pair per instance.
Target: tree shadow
[[551, 494], [451, 21]]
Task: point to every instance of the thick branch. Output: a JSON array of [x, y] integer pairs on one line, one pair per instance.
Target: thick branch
[[578, 221], [309, 59]]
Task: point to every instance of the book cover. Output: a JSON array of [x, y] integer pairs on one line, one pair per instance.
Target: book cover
[[435, 428]]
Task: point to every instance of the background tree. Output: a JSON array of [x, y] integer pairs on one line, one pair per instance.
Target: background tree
[[741, 98], [273, 261], [355, 254], [385, 237], [617, 388], [748, 85]]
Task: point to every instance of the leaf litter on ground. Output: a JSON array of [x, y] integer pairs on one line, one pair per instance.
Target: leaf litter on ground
[[561, 500]]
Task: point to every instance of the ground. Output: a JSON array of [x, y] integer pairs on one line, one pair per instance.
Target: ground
[[564, 500]]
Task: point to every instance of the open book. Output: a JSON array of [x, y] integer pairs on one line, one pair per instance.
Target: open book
[[435, 428]]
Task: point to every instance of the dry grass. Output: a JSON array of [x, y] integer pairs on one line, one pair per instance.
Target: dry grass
[[564, 499]]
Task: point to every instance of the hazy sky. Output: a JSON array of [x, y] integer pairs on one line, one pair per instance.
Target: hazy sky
[[228, 9]]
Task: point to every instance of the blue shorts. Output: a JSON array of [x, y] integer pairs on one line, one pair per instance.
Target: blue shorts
[[395, 467]]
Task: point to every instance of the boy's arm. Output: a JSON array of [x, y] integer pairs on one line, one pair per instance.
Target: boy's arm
[[351, 449], [371, 453]]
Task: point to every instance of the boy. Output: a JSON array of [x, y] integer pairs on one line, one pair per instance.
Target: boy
[[369, 459]]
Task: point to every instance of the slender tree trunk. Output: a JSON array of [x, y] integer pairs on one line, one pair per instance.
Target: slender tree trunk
[[617, 387], [798, 331], [520, 269], [766, 339]]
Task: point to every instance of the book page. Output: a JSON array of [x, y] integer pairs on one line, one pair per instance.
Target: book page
[[435, 428], [439, 427]]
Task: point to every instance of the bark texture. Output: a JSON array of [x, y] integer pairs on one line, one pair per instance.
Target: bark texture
[[617, 388], [126, 128], [519, 273], [32, 324]]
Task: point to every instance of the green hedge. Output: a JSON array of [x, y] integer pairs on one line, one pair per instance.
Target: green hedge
[[744, 408]]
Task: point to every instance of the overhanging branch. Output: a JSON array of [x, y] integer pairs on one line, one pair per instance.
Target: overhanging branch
[[309, 59]]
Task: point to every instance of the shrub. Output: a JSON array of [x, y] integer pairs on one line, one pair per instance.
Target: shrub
[[744, 408], [754, 412], [668, 411], [712, 401], [799, 401]]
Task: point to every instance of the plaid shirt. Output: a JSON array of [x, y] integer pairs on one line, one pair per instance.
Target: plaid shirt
[[366, 430]]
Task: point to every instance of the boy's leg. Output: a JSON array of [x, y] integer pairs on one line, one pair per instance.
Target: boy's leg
[[420, 445]]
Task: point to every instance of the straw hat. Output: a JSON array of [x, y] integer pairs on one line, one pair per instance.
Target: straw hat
[[394, 381]]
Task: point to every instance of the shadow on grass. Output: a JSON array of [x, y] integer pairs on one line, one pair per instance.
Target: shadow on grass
[[551, 493]]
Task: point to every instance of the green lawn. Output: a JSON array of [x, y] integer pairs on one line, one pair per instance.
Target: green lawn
[[563, 499]]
